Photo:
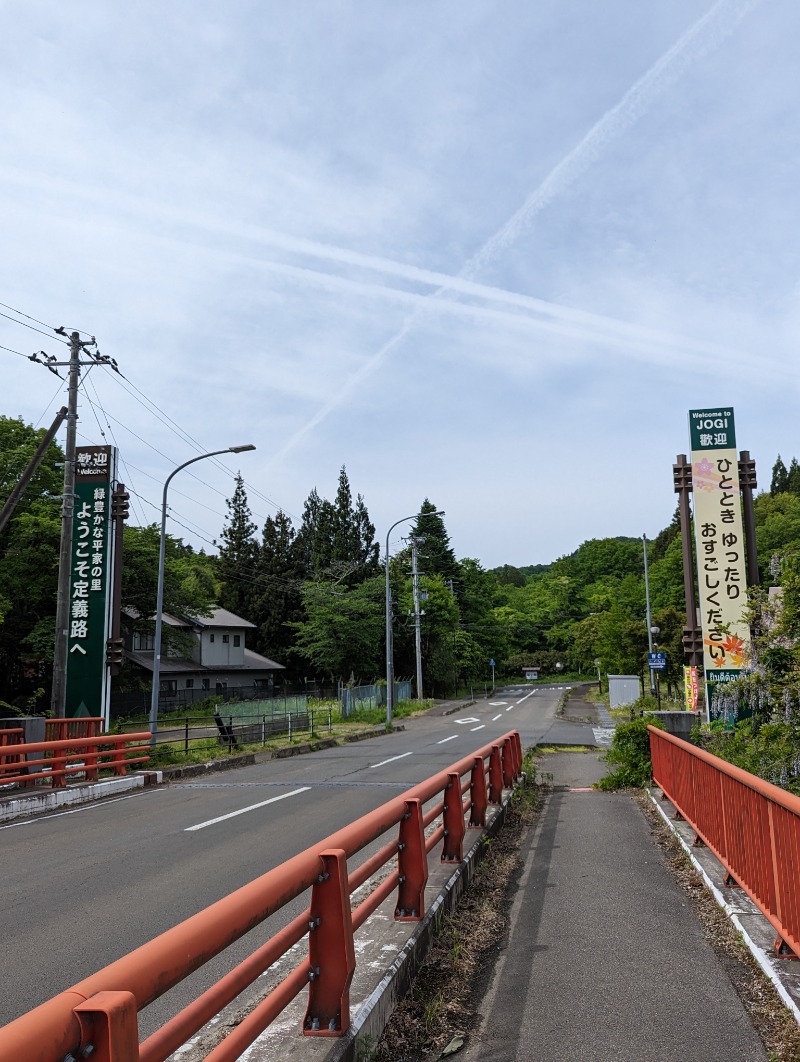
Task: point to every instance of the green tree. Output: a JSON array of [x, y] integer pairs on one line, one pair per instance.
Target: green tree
[[278, 600], [237, 562], [793, 477], [435, 549], [342, 633], [780, 477], [29, 548]]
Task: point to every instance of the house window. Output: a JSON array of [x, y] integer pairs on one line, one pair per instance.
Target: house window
[[237, 640], [190, 684], [211, 637], [143, 643], [206, 684], [225, 639], [168, 685]]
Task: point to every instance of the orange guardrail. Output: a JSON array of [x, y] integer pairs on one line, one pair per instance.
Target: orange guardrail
[[98, 1016], [78, 726], [71, 756], [751, 826]]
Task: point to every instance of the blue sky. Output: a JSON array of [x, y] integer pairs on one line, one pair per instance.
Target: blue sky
[[486, 253]]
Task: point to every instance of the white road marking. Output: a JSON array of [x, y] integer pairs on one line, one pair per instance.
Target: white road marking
[[75, 811], [496, 717], [497, 704], [243, 811], [390, 760], [527, 695], [469, 719], [474, 728], [511, 709], [444, 740]]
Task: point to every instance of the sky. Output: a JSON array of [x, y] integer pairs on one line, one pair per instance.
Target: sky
[[486, 253]]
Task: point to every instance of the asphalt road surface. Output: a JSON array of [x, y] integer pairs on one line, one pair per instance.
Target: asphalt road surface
[[83, 887]]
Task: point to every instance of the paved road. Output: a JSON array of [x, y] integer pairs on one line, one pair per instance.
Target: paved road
[[82, 887]]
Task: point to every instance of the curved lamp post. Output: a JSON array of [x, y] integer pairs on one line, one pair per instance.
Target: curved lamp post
[[160, 592], [389, 636]]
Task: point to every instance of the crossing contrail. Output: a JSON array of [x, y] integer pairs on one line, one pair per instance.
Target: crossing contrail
[[702, 38]]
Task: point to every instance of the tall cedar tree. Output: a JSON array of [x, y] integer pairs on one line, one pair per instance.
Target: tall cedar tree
[[437, 557], [780, 477], [278, 592], [238, 555], [337, 539]]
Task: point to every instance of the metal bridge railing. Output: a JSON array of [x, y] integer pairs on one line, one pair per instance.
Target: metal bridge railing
[[98, 1016], [751, 826]]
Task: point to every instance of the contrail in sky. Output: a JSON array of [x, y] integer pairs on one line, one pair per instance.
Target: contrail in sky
[[699, 40]]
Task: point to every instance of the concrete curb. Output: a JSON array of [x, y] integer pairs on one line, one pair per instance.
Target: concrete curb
[[779, 971], [51, 799]]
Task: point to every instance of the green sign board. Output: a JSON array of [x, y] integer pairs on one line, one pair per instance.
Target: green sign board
[[87, 672], [712, 429], [728, 715]]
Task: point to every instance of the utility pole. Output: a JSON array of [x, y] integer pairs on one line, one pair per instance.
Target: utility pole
[[417, 614], [29, 471], [649, 620]]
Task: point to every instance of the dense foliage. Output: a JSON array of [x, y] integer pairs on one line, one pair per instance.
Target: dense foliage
[[316, 595]]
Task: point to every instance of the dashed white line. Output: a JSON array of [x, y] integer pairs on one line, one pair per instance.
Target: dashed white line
[[472, 729], [510, 709], [390, 760], [496, 717], [527, 695], [451, 738], [243, 811]]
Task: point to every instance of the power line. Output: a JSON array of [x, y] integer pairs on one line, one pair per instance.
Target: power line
[[13, 309], [33, 328], [111, 430]]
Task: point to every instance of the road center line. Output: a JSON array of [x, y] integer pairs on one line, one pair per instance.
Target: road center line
[[496, 717], [510, 709], [390, 760], [527, 695], [444, 740], [243, 811], [472, 729]]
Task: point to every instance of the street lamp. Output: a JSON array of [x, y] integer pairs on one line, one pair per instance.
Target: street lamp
[[597, 664], [389, 636], [160, 591]]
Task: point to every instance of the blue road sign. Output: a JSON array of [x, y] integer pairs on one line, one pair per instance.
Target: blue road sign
[[657, 661]]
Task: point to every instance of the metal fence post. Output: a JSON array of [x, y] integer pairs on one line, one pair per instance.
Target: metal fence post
[[331, 951], [412, 865], [186, 736], [453, 818], [508, 764], [495, 775], [109, 1025], [477, 793]]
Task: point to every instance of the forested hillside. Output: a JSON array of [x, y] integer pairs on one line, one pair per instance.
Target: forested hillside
[[316, 591]]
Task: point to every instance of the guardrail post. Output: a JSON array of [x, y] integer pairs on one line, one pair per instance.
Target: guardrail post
[[453, 846], [331, 952], [118, 757], [109, 1026], [477, 793], [495, 775], [508, 764], [412, 865], [91, 755], [517, 742], [58, 763]]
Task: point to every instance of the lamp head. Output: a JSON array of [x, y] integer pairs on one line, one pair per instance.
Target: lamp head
[[241, 449]]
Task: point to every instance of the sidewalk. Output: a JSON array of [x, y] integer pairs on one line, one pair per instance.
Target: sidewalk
[[604, 959]]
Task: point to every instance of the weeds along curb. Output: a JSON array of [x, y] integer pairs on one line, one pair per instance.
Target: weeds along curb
[[374, 1013], [174, 772]]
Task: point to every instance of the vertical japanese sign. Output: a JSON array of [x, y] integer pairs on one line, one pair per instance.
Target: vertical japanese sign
[[90, 578], [720, 546], [691, 689]]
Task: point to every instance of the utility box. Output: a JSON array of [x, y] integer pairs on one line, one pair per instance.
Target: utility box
[[33, 727], [623, 690]]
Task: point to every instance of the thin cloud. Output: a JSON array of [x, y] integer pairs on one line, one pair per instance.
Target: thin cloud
[[699, 40]]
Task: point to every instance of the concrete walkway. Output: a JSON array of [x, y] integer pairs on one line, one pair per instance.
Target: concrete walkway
[[604, 960]]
